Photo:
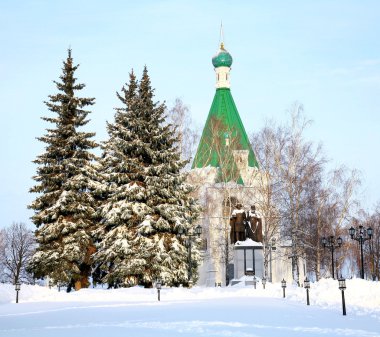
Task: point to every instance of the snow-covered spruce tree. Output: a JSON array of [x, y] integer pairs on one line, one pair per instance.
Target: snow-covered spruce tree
[[67, 185], [148, 197]]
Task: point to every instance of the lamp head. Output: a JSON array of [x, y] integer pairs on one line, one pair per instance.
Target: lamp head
[[198, 230], [324, 242], [283, 283], [306, 283], [339, 240], [187, 242], [17, 286], [370, 232], [351, 231], [342, 283]]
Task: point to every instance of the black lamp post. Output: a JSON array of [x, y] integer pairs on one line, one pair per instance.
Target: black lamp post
[[264, 281], [283, 285], [332, 244], [342, 287], [188, 242], [17, 288], [158, 286], [361, 235], [254, 281], [306, 284]]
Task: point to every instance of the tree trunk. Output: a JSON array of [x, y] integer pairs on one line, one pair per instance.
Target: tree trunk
[[82, 283]]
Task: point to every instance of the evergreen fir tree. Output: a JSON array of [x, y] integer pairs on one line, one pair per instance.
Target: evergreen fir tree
[[67, 184], [148, 197]]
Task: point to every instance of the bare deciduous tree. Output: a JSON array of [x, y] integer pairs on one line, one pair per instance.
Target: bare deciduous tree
[[179, 117], [269, 143], [301, 162], [331, 203], [17, 247], [299, 198]]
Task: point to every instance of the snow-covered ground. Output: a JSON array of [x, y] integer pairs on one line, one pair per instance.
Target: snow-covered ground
[[232, 311]]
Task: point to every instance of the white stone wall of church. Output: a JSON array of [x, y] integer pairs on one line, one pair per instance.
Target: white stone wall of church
[[216, 227]]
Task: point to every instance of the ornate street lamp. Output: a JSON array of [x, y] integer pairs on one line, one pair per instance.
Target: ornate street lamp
[[361, 235], [342, 287], [332, 244], [198, 230], [254, 281], [283, 285], [306, 284], [158, 286], [17, 288], [188, 243], [264, 281]]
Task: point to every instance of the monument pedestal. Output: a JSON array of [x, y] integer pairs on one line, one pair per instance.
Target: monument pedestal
[[248, 260]]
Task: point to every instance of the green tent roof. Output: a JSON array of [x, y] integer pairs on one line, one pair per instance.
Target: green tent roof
[[223, 133]]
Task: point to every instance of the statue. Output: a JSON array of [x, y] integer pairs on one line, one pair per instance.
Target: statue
[[255, 226], [237, 223]]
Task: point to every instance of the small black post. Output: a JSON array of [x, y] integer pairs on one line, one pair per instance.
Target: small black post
[[342, 287], [17, 288], [283, 285], [343, 303], [158, 286], [306, 284]]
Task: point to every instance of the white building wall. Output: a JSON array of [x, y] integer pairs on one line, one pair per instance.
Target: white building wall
[[216, 226]]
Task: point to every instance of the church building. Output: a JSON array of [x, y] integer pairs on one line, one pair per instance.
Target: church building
[[228, 180]]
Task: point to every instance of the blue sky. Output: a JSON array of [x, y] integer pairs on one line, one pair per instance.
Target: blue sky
[[324, 54]]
